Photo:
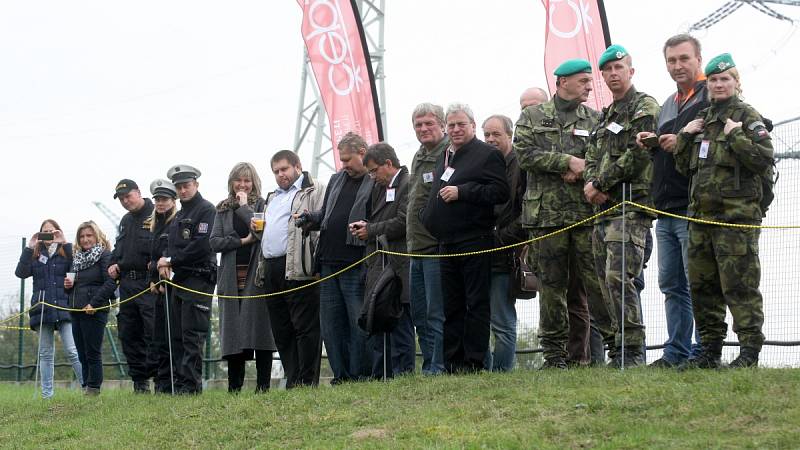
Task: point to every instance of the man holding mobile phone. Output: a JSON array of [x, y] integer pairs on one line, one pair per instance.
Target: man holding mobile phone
[[671, 194]]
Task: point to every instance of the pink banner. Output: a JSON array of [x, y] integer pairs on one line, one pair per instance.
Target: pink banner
[[576, 29], [335, 42]]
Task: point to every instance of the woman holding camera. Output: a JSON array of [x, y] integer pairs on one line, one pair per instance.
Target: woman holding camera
[[90, 287], [47, 259], [727, 155], [244, 323]]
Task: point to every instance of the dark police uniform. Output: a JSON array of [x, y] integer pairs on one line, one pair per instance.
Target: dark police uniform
[[195, 266], [158, 247], [135, 318]]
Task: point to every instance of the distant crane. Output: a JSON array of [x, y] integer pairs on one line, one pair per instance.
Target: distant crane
[[110, 215], [730, 7]]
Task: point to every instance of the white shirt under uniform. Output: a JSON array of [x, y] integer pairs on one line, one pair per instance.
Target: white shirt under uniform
[[276, 225]]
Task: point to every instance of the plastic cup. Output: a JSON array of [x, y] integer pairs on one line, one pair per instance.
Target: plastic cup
[[259, 221], [71, 276]]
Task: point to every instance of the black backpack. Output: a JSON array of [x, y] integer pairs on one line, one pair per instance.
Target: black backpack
[[381, 310]]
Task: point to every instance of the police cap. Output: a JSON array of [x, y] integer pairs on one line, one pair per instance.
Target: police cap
[[182, 173], [612, 53], [163, 188], [719, 64], [124, 186], [573, 66]]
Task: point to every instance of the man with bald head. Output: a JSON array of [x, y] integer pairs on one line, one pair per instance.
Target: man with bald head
[[533, 96]]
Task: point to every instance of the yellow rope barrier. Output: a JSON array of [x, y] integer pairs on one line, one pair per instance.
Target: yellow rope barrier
[[411, 255]]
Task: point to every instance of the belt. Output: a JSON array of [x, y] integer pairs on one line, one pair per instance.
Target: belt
[[276, 259], [136, 274]]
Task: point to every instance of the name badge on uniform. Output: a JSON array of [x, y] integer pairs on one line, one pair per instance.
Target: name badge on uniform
[[614, 127], [447, 174], [427, 177], [43, 259], [704, 149], [577, 132], [389, 195]]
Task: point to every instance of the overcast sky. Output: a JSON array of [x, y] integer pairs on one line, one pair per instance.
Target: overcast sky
[[95, 91]]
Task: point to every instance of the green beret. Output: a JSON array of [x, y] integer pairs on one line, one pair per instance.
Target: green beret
[[719, 64], [612, 53], [573, 66]]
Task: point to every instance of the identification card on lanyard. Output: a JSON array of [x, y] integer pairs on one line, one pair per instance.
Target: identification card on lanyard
[[389, 195], [448, 171], [704, 149]]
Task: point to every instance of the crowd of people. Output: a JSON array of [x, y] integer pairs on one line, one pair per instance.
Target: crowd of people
[[703, 153]]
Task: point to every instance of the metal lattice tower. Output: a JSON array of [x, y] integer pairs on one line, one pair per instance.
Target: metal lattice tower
[[311, 131], [112, 217], [730, 7]]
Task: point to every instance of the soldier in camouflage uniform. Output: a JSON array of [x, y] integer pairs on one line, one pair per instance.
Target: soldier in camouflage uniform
[[550, 142], [613, 161], [727, 154]]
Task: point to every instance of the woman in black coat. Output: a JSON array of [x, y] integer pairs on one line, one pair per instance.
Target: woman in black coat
[[90, 289]]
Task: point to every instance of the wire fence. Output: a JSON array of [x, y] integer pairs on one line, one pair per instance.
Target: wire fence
[[780, 282]]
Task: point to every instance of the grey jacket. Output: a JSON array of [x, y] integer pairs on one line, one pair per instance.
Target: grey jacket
[[243, 324], [419, 239]]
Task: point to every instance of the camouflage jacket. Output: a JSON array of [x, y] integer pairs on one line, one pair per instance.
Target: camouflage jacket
[[544, 141], [725, 171], [614, 158], [418, 239]]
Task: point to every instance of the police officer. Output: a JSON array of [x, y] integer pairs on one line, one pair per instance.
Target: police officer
[[190, 263], [727, 154], [129, 265], [164, 197], [551, 141], [614, 161]]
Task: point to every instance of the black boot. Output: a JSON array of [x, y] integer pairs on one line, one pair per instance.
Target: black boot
[[709, 358], [556, 362], [141, 387], [748, 357], [633, 358]]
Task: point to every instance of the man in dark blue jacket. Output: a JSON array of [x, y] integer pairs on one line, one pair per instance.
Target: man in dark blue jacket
[[194, 265], [671, 194], [469, 180]]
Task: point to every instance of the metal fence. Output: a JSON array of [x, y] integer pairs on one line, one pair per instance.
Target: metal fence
[[780, 280]]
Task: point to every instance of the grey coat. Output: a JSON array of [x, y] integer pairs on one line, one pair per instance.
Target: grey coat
[[243, 324]]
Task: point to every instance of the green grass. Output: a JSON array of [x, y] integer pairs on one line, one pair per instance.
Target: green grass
[[585, 408]]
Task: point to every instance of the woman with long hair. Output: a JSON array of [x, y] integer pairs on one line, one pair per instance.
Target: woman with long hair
[[47, 259], [245, 329], [90, 289]]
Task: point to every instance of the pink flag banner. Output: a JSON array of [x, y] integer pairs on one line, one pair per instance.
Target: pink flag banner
[[337, 49], [576, 29]]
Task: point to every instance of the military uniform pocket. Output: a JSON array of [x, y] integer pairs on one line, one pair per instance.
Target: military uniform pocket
[[733, 242], [633, 233], [531, 204]]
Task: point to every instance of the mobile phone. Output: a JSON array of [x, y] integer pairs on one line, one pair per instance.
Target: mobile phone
[[44, 236], [650, 141]]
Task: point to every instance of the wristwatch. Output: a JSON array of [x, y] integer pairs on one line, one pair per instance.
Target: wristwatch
[[596, 184]]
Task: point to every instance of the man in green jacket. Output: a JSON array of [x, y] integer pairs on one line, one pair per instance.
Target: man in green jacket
[[550, 142], [614, 162]]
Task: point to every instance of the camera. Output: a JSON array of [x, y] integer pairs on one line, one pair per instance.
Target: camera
[[303, 220], [42, 236]]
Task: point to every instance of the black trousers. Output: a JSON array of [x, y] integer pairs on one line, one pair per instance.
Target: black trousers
[[236, 369], [189, 318], [465, 289], [87, 330], [161, 346], [135, 322], [295, 325]]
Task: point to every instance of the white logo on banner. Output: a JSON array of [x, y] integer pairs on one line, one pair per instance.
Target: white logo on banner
[[334, 48], [582, 17]]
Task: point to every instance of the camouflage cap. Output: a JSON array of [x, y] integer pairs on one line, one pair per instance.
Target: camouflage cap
[[573, 66], [719, 64], [163, 188], [612, 53], [182, 173]]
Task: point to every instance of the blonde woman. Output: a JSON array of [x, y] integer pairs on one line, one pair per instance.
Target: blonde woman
[[90, 289]]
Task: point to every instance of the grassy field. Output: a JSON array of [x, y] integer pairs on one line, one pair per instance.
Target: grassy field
[[585, 408]]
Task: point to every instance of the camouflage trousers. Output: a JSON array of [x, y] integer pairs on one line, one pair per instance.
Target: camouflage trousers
[[608, 241], [724, 270], [554, 258]]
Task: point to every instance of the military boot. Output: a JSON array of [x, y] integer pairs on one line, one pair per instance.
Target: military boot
[[709, 358], [556, 362], [748, 357], [141, 387], [633, 358]]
